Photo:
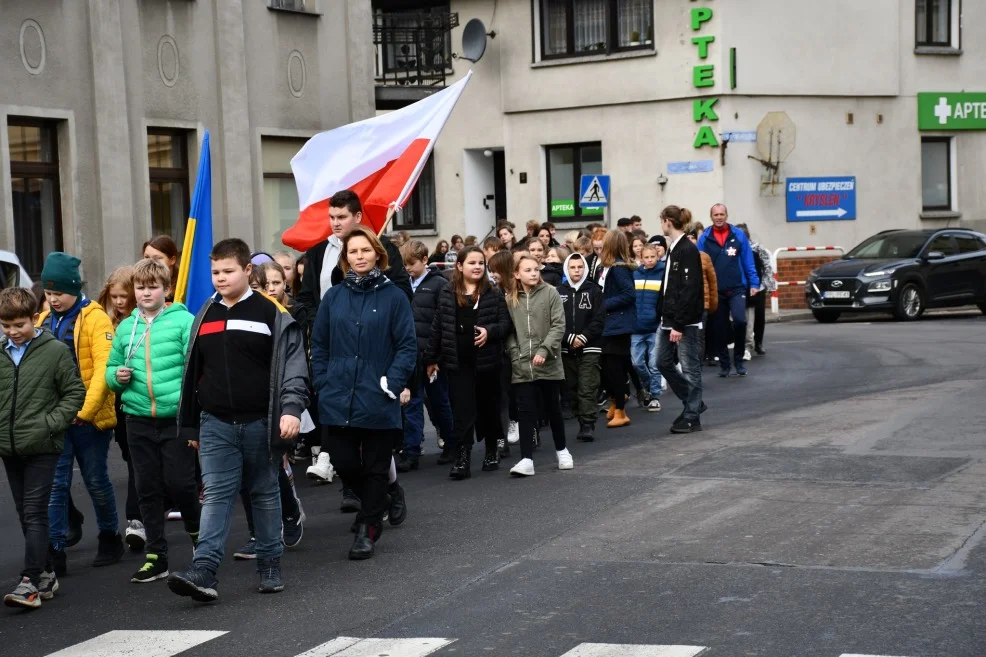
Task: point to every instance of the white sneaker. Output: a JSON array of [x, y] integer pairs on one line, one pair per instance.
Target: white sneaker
[[654, 406], [513, 434], [525, 468], [174, 514], [136, 537], [747, 355], [322, 471], [565, 461]]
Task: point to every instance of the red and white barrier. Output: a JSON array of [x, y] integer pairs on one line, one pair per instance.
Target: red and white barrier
[[774, 301]]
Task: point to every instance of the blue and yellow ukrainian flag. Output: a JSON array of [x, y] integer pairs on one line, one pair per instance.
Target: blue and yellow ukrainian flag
[[194, 285]]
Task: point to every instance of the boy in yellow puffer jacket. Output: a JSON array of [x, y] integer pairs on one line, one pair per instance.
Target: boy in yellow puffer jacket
[[84, 326]]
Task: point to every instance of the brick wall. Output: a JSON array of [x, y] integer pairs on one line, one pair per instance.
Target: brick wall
[[795, 267]]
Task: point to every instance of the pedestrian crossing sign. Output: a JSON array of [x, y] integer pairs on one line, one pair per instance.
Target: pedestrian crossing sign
[[594, 191]]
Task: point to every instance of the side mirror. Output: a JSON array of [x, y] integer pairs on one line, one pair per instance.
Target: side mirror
[[934, 255]]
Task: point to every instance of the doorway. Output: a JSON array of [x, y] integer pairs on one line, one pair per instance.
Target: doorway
[[484, 190]]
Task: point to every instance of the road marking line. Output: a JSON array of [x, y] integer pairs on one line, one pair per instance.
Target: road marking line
[[127, 643], [347, 646], [629, 650]]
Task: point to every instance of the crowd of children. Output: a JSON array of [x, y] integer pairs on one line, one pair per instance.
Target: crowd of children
[[321, 358]]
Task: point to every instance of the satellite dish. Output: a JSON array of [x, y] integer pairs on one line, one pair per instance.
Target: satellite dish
[[776, 137], [473, 40]]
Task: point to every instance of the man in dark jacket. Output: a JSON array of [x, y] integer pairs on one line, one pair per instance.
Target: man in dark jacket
[[681, 322], [737, 275], [427, 283], [585, 315], [322, 270]]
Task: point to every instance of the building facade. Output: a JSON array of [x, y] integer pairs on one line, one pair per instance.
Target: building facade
[[693, 102], [104, 105]]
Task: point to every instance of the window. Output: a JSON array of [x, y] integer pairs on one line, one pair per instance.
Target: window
[[933, 20], [936, 173], [943, 244], [280, 192], [566, 166], [36, 193], [969, 243], [578, 27], [420, 211], [167, 160], [291, 5]]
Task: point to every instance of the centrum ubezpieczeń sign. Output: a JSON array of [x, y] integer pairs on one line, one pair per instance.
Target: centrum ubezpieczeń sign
[[566, 208], [952, 111]]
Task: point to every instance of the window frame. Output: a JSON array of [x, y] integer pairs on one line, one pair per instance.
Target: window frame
[[951, 40], [949, 207], [612, 33], [161, 175], [576, 178], [24, 170], [415, 201]]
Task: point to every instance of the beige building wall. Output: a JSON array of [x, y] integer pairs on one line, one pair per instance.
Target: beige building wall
[[819, 64], [107, 70]]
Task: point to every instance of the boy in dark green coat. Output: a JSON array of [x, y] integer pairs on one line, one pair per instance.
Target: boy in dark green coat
[[40, 394], [145, 368]]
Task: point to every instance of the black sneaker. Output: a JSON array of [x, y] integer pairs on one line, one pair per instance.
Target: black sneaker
[[502, 448], [397, 511], [154, 568], [292, 530], [270, 575], [760, 350], [446, 456], [682, 425], [248, 551], [723, 372], [110, 549], [196, 583], [740, 369], [350, 503], [406, 463]]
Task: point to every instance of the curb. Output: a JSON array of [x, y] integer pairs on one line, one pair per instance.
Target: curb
[[789, 316]]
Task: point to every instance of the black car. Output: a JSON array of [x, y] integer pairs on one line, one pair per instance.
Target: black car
[[902, 272]]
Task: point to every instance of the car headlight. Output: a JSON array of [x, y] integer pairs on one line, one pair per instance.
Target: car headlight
[[878, 274], [880, 286]]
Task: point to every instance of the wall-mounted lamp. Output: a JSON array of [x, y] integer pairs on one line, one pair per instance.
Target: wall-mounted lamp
[[487, 153], [662, 180]]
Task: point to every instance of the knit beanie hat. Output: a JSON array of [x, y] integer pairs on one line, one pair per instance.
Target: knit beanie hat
[[61, 274]]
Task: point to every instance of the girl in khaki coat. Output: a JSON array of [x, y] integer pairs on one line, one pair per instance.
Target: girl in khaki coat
[[535, 355]]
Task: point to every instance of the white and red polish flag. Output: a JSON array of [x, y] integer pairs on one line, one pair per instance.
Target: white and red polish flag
[[380, 159]]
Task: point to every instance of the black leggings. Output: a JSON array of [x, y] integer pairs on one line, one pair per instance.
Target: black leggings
[[475, 400], [614, 368], [527, 395]]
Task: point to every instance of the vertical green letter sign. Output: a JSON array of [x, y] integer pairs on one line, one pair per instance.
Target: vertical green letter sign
[[703, 76]]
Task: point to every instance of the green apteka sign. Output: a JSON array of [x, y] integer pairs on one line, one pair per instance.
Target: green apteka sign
[[952, 111]]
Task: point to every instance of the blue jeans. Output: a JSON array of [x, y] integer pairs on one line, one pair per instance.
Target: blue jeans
[[228, 454], [687, 385], [643, 353], [435, 397], [90, 447]]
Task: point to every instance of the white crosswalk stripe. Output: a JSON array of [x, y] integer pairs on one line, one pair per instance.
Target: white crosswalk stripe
[[346, 646], [630, 650], [143, 644]]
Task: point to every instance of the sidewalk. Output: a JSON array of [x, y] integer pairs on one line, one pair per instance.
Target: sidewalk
[[801, 314]]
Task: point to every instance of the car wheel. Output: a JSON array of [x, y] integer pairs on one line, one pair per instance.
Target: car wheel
[[910, 303], [826, 316]]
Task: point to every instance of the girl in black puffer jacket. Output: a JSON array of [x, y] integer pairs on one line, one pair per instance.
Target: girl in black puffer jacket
[[467, 341]]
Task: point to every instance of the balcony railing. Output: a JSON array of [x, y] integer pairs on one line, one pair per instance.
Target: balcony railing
[[414, 49]]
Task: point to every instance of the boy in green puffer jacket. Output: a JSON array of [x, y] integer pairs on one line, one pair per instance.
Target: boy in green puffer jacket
[[145, 369], [40, 395]]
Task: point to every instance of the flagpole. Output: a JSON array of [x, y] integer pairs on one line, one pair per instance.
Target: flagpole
[[181, 286], [386, 222]]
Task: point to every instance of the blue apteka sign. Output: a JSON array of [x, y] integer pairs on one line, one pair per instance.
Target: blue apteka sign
[[830, 198]]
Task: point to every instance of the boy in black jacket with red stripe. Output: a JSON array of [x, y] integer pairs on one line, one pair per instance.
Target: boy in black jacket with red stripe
[[585, 315]]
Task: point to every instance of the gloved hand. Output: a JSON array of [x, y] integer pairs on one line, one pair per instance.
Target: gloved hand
[[383, 386]]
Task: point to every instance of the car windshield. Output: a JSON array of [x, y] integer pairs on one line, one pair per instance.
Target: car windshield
[[890, 247]]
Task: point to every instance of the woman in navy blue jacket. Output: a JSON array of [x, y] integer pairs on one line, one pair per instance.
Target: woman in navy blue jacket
[[363, 355], [620, 301]]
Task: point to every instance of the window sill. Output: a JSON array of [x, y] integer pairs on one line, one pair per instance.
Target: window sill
[[585, 59], [313, 14], [939, 215], [947, 51]]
